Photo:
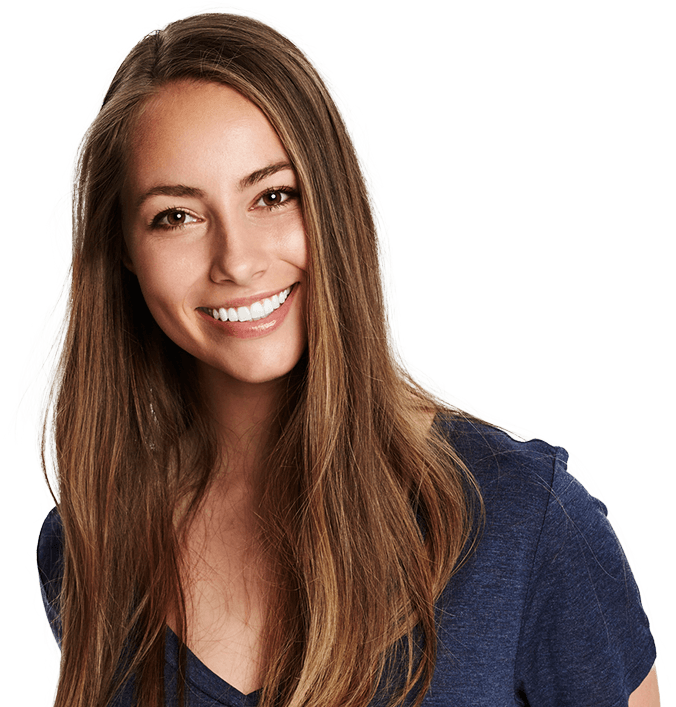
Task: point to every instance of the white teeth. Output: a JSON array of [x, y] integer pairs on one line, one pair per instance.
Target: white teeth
[[258, 310], [243, 314]]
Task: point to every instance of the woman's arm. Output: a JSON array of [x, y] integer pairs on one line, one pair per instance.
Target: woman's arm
[[646, 694]]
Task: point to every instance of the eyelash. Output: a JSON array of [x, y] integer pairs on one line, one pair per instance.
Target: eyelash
[[290, 193]]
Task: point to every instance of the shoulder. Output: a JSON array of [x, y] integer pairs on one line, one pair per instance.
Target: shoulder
[[530, 488], [515, 477], [485, 448], [549, 576], [50, 567], [50, 548]]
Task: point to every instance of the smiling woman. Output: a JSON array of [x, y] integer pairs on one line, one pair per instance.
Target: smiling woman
[[256, 505]]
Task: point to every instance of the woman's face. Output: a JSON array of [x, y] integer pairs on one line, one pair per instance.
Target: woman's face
[[214, 231]]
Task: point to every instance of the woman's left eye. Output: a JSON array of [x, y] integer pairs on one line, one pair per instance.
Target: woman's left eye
[[274, 198]]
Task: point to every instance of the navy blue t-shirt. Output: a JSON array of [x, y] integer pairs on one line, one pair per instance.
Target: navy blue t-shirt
[[545, 612]]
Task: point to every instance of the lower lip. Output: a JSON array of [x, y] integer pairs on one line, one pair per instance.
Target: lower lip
[[261, 327]]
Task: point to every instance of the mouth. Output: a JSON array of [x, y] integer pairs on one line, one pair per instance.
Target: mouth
[[254, 312]]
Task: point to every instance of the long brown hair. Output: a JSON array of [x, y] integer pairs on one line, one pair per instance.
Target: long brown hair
[[369, 513]]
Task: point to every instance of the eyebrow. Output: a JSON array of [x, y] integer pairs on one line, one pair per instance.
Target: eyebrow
[[181, 190], [260, 174]]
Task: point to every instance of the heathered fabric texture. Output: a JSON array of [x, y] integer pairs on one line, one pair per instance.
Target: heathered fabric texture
[[546, 612]]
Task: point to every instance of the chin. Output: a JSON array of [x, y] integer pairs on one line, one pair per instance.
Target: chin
[[255, 373]]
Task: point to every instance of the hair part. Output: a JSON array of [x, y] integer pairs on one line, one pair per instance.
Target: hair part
[[369, 513]]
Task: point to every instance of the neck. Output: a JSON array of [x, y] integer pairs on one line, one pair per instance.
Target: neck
[[243, 414]]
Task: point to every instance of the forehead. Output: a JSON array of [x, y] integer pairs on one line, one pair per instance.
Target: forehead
[[190, 127]]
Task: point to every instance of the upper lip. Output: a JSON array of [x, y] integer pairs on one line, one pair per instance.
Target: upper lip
[[247, 301]]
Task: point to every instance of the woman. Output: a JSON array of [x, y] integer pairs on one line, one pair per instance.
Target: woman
[[256, 506]]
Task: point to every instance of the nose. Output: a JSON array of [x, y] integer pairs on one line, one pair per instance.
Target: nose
[[239, 253]]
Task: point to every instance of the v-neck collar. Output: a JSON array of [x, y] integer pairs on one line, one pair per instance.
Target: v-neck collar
[[201, 679]]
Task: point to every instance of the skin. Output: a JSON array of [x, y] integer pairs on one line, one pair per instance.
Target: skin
[[202, 141], [647, 694]]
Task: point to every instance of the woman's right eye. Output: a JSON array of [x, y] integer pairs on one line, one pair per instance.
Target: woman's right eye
[[173, 218]]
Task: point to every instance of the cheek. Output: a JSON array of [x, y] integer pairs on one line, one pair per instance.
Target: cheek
[[300, 257], [165, 276], [296, 249]]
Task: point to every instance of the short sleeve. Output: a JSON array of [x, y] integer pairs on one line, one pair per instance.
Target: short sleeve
[[50, 568], [585, 639]]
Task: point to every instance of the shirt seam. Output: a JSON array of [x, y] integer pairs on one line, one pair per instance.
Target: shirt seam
[[527, 593]]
